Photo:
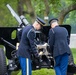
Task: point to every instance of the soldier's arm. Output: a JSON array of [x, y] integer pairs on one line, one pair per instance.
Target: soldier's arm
[[68, 39], [31, 36], [51, 39]]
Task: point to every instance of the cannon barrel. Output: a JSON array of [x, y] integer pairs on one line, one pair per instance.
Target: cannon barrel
[[20, 19], [8, 43]]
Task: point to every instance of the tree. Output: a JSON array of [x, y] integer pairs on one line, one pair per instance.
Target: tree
[[51, 6], [20, 7], [6, 19], [65, 11], [31, 8]]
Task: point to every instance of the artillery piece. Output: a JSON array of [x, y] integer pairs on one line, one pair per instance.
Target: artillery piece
[[8, 47]]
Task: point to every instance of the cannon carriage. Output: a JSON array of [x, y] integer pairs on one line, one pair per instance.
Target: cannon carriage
[[9, 50]]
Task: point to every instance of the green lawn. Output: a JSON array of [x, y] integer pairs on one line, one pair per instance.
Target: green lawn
[[46, 71], [38, 72], [74, 54]]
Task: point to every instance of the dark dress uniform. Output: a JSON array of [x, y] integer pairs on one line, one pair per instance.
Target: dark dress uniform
[[58, 41], [27, 45]]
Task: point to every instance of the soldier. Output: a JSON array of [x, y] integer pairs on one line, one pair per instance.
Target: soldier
[[27, 45], [58, 42]]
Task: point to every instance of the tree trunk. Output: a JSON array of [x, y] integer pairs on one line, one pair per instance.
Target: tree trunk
[[65, 11], [46, 11], [20, 7], [30, 9]]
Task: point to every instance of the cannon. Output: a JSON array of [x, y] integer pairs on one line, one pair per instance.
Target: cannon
[[8, 59], [9, 51]]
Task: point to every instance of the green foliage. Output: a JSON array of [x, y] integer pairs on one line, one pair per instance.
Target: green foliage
[[39, 7], [6, 19], [71, 18]]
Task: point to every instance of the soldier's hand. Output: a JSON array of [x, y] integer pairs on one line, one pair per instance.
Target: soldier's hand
[[37, 59], [37, 56]]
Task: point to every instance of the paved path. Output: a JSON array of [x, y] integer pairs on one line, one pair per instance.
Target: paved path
[[73, 41]]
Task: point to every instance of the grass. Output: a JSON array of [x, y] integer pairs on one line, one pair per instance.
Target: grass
[[74, 54], [45, 71]]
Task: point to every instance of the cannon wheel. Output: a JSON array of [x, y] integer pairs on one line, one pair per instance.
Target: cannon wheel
[[3, 68]]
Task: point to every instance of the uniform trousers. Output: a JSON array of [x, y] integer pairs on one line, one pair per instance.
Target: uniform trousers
[[26, 67], [61, 64]]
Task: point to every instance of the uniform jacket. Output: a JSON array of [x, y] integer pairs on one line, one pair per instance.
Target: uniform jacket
[[58, 41], [27, 43]]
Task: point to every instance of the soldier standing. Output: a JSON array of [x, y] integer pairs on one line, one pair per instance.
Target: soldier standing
[[58, 41], [27, 45]]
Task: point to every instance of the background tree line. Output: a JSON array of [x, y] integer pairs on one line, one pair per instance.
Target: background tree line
[[64, 10]]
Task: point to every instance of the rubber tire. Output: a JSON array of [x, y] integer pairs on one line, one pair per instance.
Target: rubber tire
[[3, 67]]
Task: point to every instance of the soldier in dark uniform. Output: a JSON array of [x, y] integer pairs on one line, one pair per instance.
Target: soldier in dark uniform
[[28, 46], [58, 42]]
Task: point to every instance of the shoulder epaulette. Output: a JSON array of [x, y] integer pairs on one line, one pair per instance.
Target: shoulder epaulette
[[31, 30]]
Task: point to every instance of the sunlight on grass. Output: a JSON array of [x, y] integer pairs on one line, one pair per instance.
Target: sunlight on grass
[[41, 72], [16, 73], [44, 72]]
